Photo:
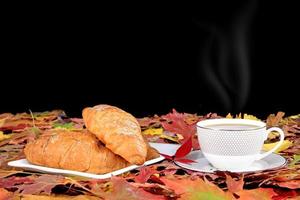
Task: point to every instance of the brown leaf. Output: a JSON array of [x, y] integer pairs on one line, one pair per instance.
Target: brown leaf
[[149, 122], [13, 181], [124, 190], [42, 184], [273, 120], [234, 186]]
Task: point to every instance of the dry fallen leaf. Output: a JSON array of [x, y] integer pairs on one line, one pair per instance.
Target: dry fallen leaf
[[58, 197], [260, 193], [4, 136], [234, 186], [4, 194], [175, 123], [195, 189]]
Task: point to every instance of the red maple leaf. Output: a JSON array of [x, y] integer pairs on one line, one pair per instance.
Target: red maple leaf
[[176, 123], [12, 181], [145, 174], [181, 152]]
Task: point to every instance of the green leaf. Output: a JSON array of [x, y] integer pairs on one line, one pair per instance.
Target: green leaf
[[40, 114], [296, 158], [36, 130], [69, 125]]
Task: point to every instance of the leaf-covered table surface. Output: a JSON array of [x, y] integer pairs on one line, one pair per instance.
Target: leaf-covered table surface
[[164, 180]]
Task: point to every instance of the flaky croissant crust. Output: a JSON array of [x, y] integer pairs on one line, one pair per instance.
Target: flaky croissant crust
[[73, 150], [118, 130]]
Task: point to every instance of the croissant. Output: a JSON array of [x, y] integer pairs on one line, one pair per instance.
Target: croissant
[[118, 130], [73, 150]]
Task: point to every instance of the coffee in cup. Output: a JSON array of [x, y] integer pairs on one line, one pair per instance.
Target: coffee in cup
[[234, 144]]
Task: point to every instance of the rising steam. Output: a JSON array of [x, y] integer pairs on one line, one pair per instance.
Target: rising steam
[[225, 60]]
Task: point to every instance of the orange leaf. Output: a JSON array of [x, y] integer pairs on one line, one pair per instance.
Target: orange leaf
[[124, 190], [189, 189], [292, 184], [233, 185], [4, 194], [260, 193]]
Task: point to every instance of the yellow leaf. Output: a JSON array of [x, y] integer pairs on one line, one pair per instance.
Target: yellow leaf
[[285, 145], [229, 116], [252, 117], [273, 135], [239, 116], [295, 116], [179, 136], [153, 131], [159, 132], [169, 138], [3, 136]]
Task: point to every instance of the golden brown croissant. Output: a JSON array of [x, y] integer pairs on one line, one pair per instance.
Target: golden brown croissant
[[118, 130], [73, 150]]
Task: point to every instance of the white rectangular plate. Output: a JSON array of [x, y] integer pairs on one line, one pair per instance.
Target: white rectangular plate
[[168, 149]]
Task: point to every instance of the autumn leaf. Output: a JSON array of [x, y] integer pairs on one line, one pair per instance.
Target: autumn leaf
[[273, 120], [239, 116], [285, 145], [4, 136], [184, 149], [251, 117], [285, 195], [17, 127], [147, 122], [195, 189], [145, 174], [292, 184], [260, 193], [296, 158], [58, 197], [69, 125], [234, 185], [181, 152], [175, 122], [4, 194], [123, 190], [13, 181], [43, 184], [229, 116], [153, 131], [161, 134]]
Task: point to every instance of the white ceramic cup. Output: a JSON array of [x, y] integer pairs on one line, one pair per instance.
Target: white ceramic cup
[[231, 148]]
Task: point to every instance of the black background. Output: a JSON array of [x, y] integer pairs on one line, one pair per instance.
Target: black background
[[148, 59]]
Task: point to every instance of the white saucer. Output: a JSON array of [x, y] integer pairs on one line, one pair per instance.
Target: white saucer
[[202, 165], [168, 149]]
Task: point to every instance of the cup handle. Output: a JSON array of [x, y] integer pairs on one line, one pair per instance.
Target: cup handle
[[277, 145]]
